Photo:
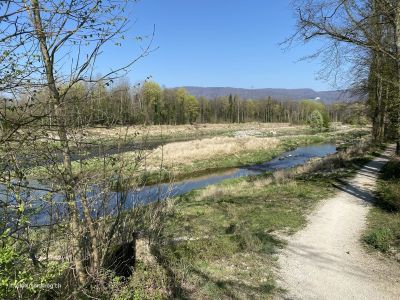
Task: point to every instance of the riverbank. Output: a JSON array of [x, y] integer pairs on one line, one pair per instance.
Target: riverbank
[[183, 160], [223, 239]]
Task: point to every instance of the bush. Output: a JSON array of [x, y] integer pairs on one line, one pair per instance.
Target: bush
[[391, 170], [19, 279], [325, 117], [356, 119], [316, 120], [389, 187], [384, 220]]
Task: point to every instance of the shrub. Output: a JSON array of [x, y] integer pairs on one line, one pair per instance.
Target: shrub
[[325, 117], [389, 188], [316, 120], [356, 119], [391, 170], [19, 279]]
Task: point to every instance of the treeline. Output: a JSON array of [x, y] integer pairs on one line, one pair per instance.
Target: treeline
[[121, 104]]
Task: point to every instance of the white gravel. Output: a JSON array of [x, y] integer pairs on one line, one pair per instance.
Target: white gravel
[[326, 260]]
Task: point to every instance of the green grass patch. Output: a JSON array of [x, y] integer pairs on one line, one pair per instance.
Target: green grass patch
[[223, 237], [383, 231]]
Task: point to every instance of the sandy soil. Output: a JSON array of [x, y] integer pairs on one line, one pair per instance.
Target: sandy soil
[[326, 260]]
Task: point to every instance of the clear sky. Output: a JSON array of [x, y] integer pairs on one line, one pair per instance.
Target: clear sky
[[219, 43]]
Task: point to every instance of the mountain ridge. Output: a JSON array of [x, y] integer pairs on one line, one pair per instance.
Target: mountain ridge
[[275, 93]]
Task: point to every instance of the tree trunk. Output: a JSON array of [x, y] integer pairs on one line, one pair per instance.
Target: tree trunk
[[95, 255], [397, 99], [62, 133]]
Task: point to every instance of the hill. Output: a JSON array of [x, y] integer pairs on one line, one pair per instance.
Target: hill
[[278, 94]]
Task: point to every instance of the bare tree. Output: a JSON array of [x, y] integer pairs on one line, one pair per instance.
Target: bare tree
[[48, 48], [369, 27]]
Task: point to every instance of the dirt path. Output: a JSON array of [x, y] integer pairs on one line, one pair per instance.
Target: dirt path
[[326, 260]]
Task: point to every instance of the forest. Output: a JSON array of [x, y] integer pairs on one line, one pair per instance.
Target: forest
[[149, 104]]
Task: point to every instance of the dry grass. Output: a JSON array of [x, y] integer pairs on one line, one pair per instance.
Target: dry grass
[[331, 163], [218, 191], [204, 142], [198, 155], [182, 130], [189, 152], [327, 164], [197, 150]]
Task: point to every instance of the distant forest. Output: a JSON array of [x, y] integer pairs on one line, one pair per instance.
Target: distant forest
[[149, 103]]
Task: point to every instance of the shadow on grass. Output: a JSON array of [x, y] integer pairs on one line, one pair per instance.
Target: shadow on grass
[[189, 253], [174, 284], [231, 289]]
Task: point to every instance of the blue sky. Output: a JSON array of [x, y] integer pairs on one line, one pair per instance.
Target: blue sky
[[218, 43]]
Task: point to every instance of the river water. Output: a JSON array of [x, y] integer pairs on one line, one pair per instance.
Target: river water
[[287, 160], [149, 194]]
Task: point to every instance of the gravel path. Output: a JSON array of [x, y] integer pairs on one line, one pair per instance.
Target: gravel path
[[326, 260]]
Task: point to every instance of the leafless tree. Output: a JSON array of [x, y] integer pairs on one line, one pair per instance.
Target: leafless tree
[[352, 29], [49, 48]]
